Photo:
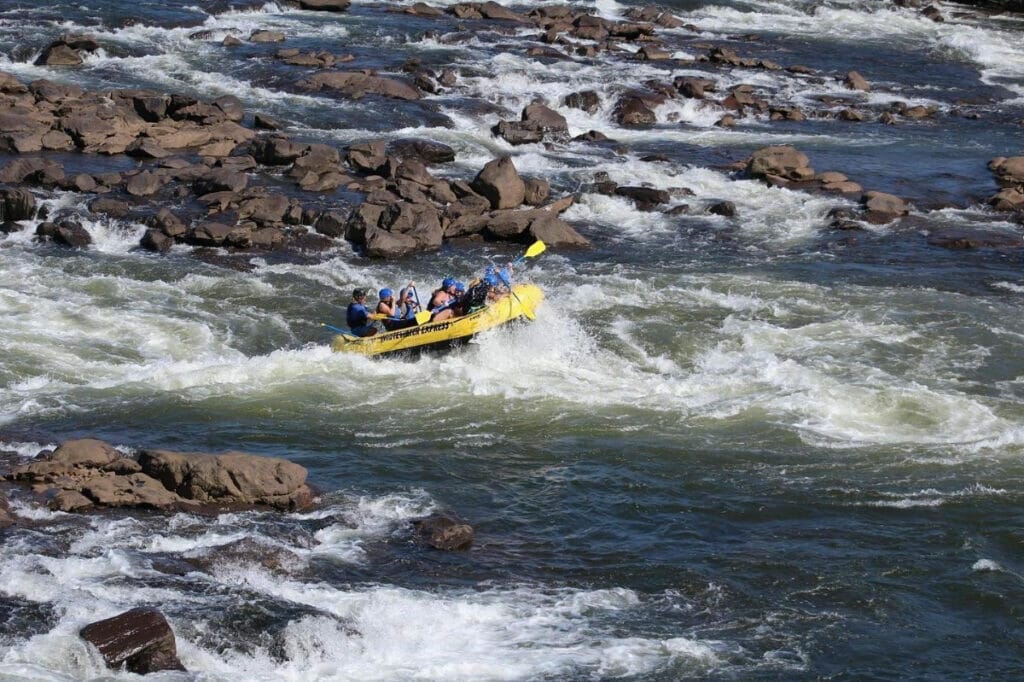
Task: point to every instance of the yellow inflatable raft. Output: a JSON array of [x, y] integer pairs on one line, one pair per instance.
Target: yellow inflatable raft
[[522, 302]]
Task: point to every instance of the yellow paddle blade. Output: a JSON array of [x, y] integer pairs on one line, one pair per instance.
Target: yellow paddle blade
[[377, 316], [423, 316], [535, 249]]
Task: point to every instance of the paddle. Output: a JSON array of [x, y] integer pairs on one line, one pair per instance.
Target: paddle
[[535, 249], [423, 315], [346, 332]]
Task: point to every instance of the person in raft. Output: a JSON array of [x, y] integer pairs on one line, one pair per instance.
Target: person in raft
[[441, 300], [357, 317], [399, 316]]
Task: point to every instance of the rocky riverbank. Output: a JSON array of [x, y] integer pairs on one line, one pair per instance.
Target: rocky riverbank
[[208, 174]]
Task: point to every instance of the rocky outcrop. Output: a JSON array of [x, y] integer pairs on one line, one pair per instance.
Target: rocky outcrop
[[231, 478], [359, 83], [141, 640], [86, 473]]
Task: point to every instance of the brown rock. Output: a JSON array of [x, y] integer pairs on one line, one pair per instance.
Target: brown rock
[[16, 204], [144, 184], [69, 501], [782, 161], [632, 111], [587, 100], [233, 477], [444, 532], [1009, 172], [141, 640], [359, 83], [537, 191], [881, 208], [263, 36], [499, 182], [855, 81], [85, 452]]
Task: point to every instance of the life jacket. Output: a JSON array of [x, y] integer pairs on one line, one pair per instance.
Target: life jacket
[[356, 315]]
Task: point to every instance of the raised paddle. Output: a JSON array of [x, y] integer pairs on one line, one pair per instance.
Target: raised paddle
[[535, 249]]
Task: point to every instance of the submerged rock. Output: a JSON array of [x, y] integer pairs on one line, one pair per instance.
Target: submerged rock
[[444, 532]]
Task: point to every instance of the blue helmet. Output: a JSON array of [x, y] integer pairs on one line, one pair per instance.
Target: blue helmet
[[460, 287], [447, 282], [385, 293], [491, 279]]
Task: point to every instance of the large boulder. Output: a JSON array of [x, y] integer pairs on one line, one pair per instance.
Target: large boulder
[[85, 452], [229, 478], [500, 184], [141, 640], [782, 161], [16, 204]]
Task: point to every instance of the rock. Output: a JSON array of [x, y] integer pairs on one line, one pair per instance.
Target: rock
[[264, 122], [231, 41], [267, 239], [881, 208], [499, 182], [426, 151], [220, 180], [632, 111], [587, 100], [263, 210], [132, 490], [359, 83], [379, 243], [59, 54], [541, 117], [537, 191], [144, 184], [644, 195], [155, 240], [5, 513], [141, 640], [31, 170], [554, 232], [276, 150], [263, 36], [444, 532], [368, 157], [781, 161], [248, 552], [66, 232], [16, 204], [1008, 199], [959, 239], [85, 452], [325, 5], [1009, 172], [230, 478], [723, 208], [11, 85], [69, 501], [112, 207], [855, 81]]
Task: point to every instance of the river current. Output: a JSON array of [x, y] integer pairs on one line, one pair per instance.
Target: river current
[[728, 448]]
